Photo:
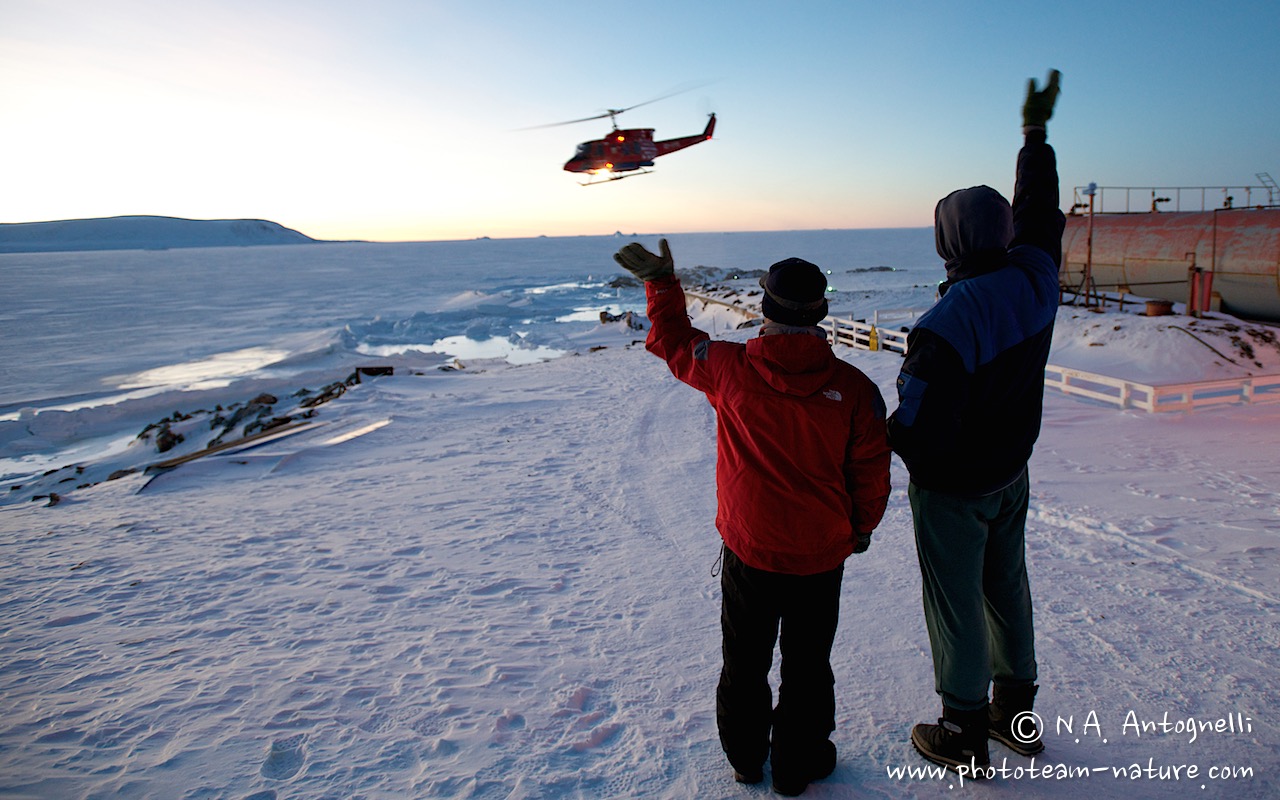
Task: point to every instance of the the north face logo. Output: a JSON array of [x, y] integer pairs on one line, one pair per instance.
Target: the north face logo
[[832, 394]]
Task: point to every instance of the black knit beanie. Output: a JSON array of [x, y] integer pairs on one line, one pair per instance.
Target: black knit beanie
[[795, 293]]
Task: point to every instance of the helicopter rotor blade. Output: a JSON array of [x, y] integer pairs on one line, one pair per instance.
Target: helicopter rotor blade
[[613, 112], [605, 115], [672, 93]]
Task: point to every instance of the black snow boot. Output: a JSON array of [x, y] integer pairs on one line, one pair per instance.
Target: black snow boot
[[793, 773], [1008, 722], [957, 742], [751, 777]]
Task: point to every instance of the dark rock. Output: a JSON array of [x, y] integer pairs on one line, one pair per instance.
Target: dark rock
[[166, 440]]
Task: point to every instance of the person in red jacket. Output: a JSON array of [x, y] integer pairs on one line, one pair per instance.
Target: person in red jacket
[[802, 480]]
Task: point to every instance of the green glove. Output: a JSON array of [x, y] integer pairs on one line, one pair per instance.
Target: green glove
[[645, 265], [1039, 104], [861, 541]]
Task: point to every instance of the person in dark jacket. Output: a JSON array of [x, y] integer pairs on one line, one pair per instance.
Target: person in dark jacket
[[969, 404], [802, 479]]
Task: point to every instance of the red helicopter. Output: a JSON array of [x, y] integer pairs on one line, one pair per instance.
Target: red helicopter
[[625, 153]]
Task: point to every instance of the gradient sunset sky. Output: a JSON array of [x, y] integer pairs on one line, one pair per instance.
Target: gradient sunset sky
[[401, 120]]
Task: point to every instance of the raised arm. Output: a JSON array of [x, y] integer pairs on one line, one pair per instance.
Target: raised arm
[[671, 336], [1037, 219]]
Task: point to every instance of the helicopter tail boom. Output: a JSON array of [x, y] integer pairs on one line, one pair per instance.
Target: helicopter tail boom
[[672, 145]]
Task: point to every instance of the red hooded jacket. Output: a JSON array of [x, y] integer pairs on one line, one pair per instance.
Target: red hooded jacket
[[802, 461]]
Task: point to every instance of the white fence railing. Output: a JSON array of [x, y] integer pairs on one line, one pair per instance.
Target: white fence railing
[[881, 316], [851, 332], [1168, 397], [1114, 391], [736, 305], [864, 335]]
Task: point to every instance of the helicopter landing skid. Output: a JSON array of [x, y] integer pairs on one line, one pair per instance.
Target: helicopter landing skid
[[615, 177]]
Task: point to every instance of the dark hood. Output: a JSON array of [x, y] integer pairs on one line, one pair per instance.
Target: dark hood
[[973, 228]]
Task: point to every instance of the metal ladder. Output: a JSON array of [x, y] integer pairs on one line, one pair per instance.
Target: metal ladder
[[1269, 183]]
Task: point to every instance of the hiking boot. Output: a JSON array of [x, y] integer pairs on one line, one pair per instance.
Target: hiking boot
[[1009, 707], [790, 779], [751, 777], [957, 742]]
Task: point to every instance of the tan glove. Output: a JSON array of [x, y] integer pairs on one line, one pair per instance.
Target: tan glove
[[645, 265], [1038, 107]]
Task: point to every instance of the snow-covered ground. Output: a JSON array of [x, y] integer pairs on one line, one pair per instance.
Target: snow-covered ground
[[482, 579]]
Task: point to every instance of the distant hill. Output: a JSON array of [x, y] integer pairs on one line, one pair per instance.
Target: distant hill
[[142, 233]]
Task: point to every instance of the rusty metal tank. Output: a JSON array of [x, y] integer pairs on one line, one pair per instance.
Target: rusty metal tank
[[1152, 254]]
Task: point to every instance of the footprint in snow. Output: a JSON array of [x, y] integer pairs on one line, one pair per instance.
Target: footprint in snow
[[285, 759], [589, 719]]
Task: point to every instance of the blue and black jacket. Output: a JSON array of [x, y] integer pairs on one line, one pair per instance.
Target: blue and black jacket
[[971, 389]]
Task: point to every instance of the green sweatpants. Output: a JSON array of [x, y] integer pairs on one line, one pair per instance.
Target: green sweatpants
[[977, 602]]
